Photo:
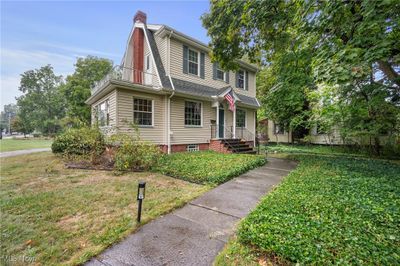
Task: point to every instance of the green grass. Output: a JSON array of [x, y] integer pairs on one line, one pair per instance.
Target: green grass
[[23, 144], [58, 216], [330, 210], [207, 167]]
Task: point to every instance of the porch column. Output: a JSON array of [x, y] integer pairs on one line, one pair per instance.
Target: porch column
[[217, 123], [234, 122]]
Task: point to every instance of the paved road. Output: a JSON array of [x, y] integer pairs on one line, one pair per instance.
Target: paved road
[[196, 233], [21, 152]]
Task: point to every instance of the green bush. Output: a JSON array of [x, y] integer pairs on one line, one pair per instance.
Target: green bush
[[84, 141], [134, 154], [208, 167]]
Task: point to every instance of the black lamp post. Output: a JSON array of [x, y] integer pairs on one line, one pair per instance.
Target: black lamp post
[[140, 196]]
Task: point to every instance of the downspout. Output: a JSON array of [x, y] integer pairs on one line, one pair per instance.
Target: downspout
[[172, 95]]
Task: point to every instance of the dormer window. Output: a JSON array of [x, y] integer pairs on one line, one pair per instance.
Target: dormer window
[[193, 62]]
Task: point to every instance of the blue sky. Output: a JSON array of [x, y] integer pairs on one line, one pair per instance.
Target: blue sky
[[35, 33]]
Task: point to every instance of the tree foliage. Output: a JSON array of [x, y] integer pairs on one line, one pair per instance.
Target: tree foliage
[[77, 88], [350, 46], [8, 114], [42, 103]]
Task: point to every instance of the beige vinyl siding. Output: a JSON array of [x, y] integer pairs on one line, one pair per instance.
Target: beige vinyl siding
[[156, 133], [182, 134], [279, 138], [112, 100], [176, 48]]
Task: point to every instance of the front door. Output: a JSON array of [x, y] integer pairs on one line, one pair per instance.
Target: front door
[[221, 125]]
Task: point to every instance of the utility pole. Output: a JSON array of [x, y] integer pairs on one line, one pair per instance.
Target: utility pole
[[9, 123]]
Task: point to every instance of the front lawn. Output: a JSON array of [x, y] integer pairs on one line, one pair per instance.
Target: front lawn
[[52, 215], [330, 210], [23, 144], [208, 167]]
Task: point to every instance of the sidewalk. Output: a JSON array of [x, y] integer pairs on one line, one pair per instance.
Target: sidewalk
[[21, 152], [196, 233]]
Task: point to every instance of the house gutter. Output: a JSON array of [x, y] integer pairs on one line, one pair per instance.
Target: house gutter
[[169, 132]]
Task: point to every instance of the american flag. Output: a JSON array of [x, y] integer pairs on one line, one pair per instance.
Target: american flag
[[231, 100]]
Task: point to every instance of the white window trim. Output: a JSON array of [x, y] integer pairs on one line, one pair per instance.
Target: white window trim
[[244, 79], [198, 62], [220, 69], [201, 114], [192, 147], [107, 102], [148, 63], [245, 117], [152, 111]]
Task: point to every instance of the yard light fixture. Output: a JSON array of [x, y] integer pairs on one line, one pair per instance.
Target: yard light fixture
[[140, 196]]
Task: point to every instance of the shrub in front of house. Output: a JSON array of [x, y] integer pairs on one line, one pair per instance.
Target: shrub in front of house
[[84, 141], [134, 154]]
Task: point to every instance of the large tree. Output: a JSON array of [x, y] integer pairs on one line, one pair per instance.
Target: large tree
[[77, 88], [304, 45], [41, 103]]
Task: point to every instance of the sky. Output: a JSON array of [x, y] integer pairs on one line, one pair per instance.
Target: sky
[[37, 33]]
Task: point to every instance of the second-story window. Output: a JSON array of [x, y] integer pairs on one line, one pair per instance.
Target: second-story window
[[241, 79], [193, 62], [220, 73]]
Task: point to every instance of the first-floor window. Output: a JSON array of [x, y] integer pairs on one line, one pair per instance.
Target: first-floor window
[[240, 118], [143, 112], [279, 129], [103, 116], [192, 113]]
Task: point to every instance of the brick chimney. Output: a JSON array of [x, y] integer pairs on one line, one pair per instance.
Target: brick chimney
[[138, 48], [140, 17]]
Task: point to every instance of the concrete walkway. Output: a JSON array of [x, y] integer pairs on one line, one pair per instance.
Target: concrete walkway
[[21, 152], [196, 233]]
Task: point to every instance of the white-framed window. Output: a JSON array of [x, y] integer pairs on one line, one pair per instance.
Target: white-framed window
[[220, 73], [193, 61], [279, 129], [193, 113], [143, 112], [103, 114], [192, 147], [241, 79], [240, 118]]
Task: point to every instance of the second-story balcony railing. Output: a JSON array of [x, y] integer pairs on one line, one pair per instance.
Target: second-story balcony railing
[[128, 74]]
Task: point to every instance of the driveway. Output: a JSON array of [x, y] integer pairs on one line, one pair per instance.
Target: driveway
[[196, 233], [21, 152]]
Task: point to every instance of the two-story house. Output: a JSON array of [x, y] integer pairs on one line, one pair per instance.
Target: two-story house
[[168, 86]]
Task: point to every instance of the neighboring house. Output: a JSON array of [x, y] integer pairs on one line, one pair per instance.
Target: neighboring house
[[168, 86]]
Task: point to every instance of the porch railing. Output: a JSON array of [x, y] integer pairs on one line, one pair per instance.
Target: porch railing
[[216, 130], [128, 74], [244, 134]]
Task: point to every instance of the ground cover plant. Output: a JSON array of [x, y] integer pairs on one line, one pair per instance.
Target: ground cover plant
[[51, 215], [23, 144], [312, 149], [330, 210], [208, 167]]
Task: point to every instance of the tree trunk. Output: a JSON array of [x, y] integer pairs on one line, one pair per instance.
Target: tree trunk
[[388, 70]]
